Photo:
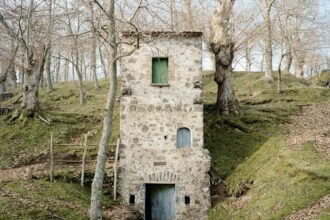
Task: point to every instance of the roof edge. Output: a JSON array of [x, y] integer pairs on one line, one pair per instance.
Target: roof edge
[[162, 34]]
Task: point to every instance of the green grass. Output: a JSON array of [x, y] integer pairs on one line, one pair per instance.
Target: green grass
[[23, 141], [280, 180], [249, 148], [45, 200]]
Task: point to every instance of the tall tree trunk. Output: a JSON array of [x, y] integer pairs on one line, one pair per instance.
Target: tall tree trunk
[[96, 198], [73, 68], [262, 62], [48, 71], [189, 20], [36, 64], [104, 68], [9, 69], [13, 77], [66, 71], [80, 77], [248, 58], [83, 62], [94, 42], [298, 55], [288, 56], [49, 55], [173, 15], [3, 78], [223, 47], [57, 70], [268, 51], [22, 68]]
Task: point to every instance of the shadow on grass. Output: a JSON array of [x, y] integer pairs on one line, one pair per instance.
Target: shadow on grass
[[230, 140]]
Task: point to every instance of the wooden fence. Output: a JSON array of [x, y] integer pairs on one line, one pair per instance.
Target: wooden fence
[[84, 146]]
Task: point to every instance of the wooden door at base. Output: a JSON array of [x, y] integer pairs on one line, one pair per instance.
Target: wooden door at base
[[160, 202]]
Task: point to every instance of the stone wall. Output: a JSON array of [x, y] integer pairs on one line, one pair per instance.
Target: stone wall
[[150, 117]]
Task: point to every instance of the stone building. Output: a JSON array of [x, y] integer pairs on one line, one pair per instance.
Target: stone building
[[163, 166]]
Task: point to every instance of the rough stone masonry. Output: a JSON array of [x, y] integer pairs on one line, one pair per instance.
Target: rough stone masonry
[[150, 116]]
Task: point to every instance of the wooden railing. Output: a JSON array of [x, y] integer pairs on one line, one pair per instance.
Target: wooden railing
[[84, 146]]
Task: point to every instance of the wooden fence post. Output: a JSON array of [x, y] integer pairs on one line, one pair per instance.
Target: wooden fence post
[[83, 162], [115, 171], [51, 170]]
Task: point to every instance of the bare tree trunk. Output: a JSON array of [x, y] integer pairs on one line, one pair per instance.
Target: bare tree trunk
[[73, 68], [2, 86], [66, 71], [49, 56], [22, 69], [248, 63], [172, 11], [94, 41], [3, 78], [189, 20], [83, 62], [104, 68], [9, 69], [268, 51], [298, 55], [96, 198], [57, 70], [80, 78], [34, 72], [262, 63], [41, 81], [288, 56], [13, 77], [223, 47]]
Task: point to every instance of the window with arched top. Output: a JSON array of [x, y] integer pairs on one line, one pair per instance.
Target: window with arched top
[[183, 138]]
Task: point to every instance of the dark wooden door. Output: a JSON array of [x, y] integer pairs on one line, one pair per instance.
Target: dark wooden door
[[160, 202]]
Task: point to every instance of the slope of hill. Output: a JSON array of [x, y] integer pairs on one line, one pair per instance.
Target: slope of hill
[[259, 175]]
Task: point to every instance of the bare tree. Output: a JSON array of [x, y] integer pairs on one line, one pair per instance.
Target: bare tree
[[35, 52], [49, 55], [268, 51], [223, 47], [96, 198], [187, 12], [93, 48]]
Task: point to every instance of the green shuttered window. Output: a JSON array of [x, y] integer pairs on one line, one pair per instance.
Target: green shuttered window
[[160, 70]]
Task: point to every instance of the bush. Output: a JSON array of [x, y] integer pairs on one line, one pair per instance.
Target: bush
[[324, 78]]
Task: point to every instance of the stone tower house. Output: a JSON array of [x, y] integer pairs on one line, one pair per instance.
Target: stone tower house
[[163, 166]]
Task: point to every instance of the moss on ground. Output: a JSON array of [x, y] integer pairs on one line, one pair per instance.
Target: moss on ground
[[22, 142], [280, 179], [247, 148], [44, 200]]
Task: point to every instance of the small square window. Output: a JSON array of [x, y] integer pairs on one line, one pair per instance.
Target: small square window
[[187, 200], [132, 199], [160, 70]]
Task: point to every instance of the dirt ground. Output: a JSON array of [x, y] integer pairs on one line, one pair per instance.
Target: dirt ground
[[312, 124]]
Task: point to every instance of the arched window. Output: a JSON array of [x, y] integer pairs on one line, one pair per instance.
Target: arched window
[[183, 138]]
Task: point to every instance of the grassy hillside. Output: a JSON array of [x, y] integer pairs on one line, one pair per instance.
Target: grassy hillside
[[44, 200], [265, 179], [22, 142]]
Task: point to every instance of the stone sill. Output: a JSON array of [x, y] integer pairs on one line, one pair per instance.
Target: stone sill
[[160, 85]]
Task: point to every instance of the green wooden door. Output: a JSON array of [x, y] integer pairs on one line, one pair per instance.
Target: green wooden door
[[160, 70], [160, 202]]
